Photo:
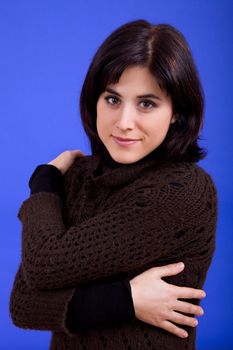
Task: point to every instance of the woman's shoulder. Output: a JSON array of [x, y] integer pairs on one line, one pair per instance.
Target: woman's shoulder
[[81, 165], [181, 180], [83, 162], [187, 172], [194, 174], [77, 173]]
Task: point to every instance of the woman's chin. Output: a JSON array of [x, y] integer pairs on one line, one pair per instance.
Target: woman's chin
[[124, 158]]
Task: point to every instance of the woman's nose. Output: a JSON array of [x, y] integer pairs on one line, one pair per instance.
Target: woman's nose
[[126, 118]]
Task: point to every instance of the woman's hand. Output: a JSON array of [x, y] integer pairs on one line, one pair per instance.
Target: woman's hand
[[156, 302], [65, 160]]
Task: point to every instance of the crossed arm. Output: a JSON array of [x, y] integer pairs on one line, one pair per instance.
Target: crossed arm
[[59, 298], [115, 241]]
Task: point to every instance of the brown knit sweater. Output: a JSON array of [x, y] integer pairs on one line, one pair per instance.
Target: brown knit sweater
[[112, 222]]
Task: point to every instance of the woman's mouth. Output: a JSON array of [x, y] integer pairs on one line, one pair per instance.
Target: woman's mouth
[[124, 142]]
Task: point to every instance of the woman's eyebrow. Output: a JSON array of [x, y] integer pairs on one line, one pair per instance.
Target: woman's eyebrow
[[141, 96]]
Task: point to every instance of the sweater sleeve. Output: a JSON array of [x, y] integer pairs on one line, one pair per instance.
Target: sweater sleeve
[[150, 224], [31, 308], [101, 304], [46, 178], [98, 303]]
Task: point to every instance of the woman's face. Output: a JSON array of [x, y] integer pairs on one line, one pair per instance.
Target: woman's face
[[124, 112]]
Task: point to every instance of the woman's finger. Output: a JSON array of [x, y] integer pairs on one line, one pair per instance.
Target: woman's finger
[[77, 153], [64, 160], [170, 327], [189, 293], [188, 308], [183, 319]]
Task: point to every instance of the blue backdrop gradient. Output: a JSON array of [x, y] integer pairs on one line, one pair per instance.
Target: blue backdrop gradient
[[46, 48]]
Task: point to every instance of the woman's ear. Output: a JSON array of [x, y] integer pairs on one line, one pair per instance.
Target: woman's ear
[[173, 120]]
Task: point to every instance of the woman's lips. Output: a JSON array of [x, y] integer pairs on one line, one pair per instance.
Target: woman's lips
[[122, 142]]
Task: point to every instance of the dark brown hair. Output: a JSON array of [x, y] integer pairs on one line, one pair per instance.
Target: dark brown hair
[[164, 51]]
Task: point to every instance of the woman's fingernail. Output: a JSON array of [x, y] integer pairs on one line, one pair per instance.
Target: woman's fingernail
[[204, 294]]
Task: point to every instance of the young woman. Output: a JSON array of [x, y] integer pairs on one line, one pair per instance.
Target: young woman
[[103, 233]]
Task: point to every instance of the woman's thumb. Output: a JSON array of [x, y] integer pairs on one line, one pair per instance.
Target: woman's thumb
[[171, 269]]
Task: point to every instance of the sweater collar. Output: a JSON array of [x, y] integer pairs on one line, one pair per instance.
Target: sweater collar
[[106, 172]]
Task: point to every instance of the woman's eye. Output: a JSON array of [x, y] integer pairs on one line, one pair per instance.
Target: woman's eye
[[112, 98], [146, 103]]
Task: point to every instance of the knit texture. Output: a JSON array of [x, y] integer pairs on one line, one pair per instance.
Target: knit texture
[[111, 223], [98, 303]]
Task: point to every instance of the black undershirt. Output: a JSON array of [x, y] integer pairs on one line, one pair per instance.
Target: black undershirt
[[96, 304]]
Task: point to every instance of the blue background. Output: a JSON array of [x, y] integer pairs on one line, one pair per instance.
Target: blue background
[[46, 48]]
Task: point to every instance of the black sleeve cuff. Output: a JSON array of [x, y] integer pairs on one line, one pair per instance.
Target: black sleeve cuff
[[47, 178], [103, 304]]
